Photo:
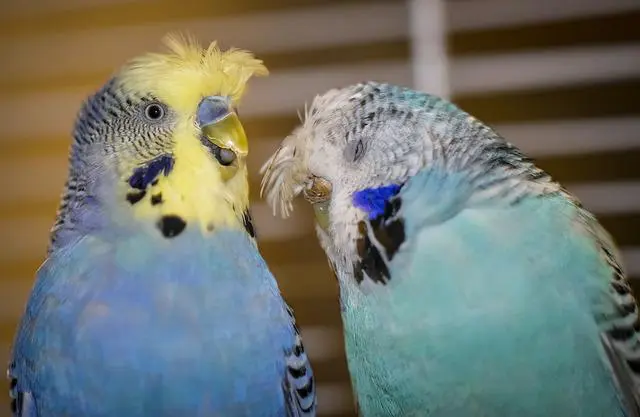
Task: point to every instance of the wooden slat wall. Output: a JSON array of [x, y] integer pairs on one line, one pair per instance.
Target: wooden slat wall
[[558, 77]]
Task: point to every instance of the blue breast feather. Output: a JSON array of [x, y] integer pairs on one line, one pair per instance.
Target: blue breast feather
[[152, 327], [490, 311]]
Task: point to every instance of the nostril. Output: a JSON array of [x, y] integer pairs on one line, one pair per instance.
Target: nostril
[[211, 110]]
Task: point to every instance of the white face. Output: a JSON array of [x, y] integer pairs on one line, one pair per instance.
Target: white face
[[349, 141]]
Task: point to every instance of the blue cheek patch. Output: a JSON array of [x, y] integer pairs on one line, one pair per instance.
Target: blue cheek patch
[[372, 200], [143, 176]]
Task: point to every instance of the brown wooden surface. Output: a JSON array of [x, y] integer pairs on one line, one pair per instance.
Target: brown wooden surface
[[32, 169]]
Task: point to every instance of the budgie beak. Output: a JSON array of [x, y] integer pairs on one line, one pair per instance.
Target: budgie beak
[[221, 126]]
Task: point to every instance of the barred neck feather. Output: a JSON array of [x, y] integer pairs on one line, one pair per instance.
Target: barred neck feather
[[493, 167]]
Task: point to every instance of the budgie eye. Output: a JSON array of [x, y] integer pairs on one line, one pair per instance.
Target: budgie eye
[[154, 112]]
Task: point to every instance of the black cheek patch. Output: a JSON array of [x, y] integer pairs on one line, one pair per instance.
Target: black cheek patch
[[247, 221], [171, 225], [388, 231]]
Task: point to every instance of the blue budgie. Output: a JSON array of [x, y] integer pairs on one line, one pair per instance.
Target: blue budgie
[[154, 300], [471, 283]]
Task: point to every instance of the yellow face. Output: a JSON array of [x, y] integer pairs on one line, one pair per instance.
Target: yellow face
[[196, 174]]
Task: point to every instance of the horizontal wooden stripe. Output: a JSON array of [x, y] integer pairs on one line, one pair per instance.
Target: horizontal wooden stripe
[[386, 50], [141, 12], [594, 30], [578, 136], [300, 249], [470, 15], [609, 197], [16, 293], [543, 68], [323, 343], [603, 166], [635, 285], [7, 329], [625, 229], [281, 93], [610, 99], [348, 412], [330, 371], [461, 15], [336, 399], [631, 258], [101, 50], [41, 7]]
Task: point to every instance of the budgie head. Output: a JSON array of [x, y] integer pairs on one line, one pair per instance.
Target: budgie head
[[357, 146], [161, 143]]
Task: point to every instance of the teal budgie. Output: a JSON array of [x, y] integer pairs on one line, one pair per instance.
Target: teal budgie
[[154, 300], [471, 283]]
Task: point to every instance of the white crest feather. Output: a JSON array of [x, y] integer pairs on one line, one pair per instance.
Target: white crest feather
[[284, 175]]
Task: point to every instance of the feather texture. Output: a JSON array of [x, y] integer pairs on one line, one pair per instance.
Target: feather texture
[[488, 304], [141, 326]]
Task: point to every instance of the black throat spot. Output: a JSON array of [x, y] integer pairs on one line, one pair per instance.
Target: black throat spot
[[171, 226]]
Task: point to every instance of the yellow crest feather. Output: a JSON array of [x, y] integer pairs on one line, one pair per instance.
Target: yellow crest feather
[[188, 72]]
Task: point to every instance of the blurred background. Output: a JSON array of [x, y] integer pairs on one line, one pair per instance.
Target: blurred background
[[559, 78]]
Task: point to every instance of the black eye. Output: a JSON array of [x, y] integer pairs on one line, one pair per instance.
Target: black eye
[[154, 111]]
